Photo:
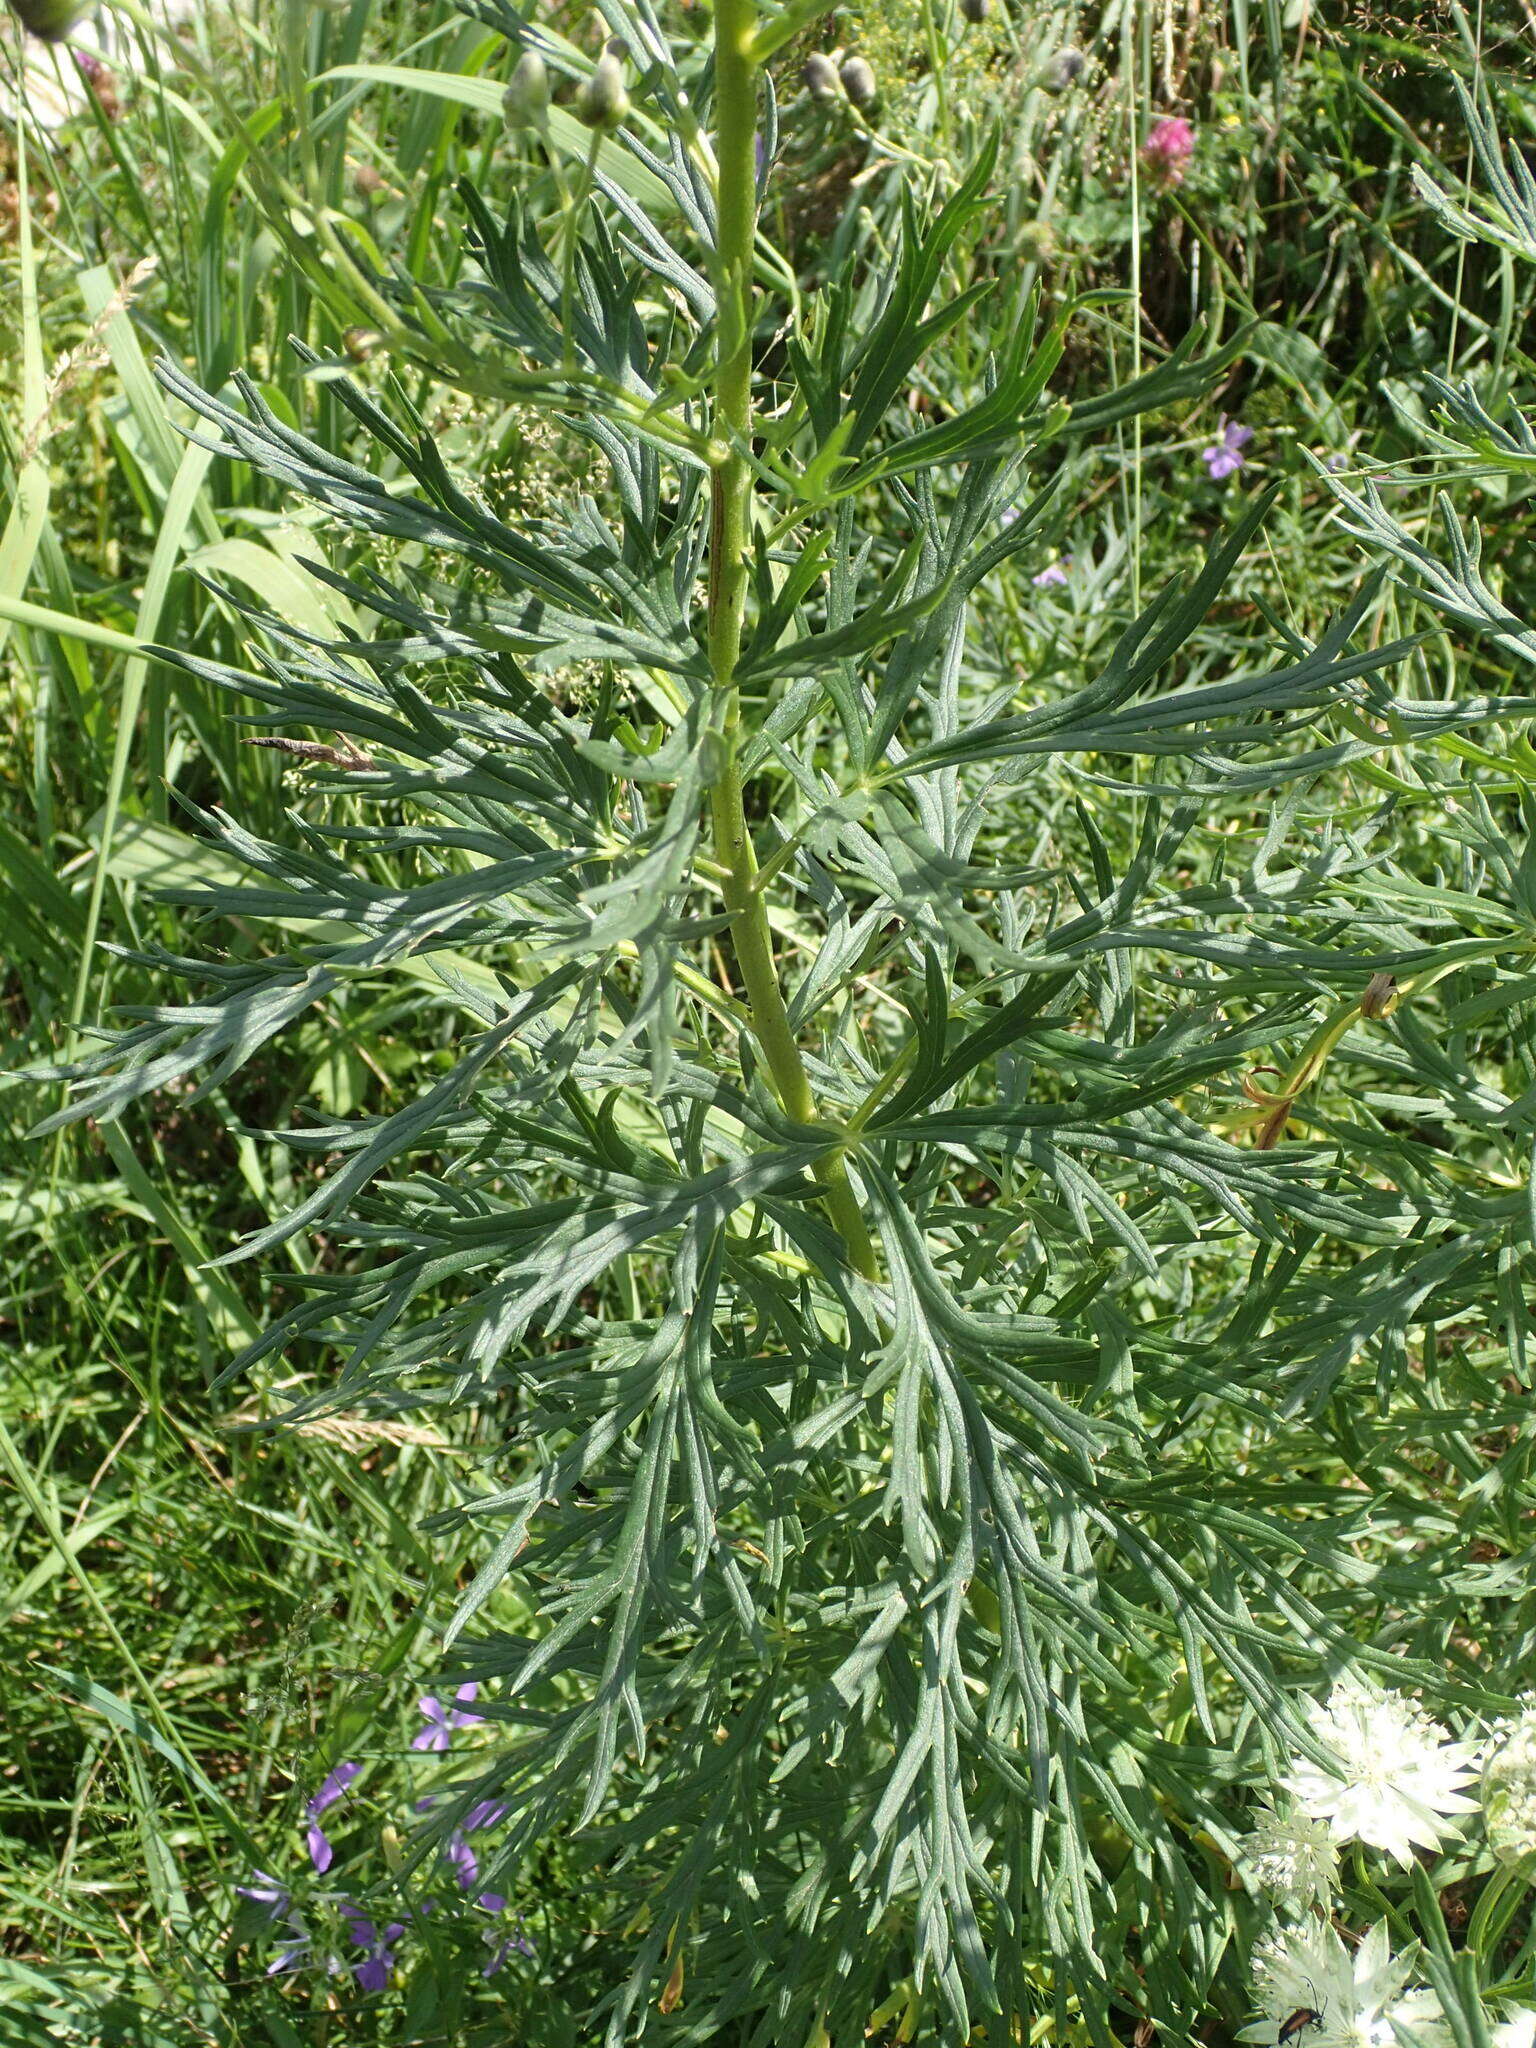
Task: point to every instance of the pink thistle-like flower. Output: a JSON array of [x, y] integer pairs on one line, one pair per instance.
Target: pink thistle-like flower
[[1168, 149]]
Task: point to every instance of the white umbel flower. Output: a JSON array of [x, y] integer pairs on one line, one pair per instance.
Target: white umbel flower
[[1398, 1777], [1359, 1996], [1517, 2029], [1293, 1857], [1509, 1793]]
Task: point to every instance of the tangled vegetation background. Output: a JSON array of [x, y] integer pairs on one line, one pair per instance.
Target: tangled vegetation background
[[992, 1502]]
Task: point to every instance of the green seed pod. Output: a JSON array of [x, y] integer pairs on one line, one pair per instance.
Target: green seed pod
[[526, 98], [860, 83], [976, 10], [50, 19], [603, 102], [820, 75]]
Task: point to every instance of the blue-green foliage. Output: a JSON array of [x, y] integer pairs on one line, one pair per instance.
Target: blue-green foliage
[[915, 1628]]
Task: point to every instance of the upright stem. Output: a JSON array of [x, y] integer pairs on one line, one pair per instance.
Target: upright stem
[[729, 576]]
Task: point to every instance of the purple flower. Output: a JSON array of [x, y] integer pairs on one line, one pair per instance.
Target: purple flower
[[1168, 149], [441, 1721], [1053, 572], [485, 1814], [466, 1868], [332, 1788], [372, 1973], [1225, 457], [292, 1952], [267, 1891], [509, 1945], [465, 1863]]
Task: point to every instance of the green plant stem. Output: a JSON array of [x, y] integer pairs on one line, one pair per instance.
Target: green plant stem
[[735, 137]]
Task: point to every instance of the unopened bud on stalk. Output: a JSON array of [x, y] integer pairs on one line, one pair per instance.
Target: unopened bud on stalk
[[50, 19], [1380, 998], [1065, 69], [527, 95], [820, 75], [602, 102], [366, 180], [976, 10], [859, 83]]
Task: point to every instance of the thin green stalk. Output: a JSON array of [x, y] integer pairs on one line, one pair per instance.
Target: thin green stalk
[[729, 569]]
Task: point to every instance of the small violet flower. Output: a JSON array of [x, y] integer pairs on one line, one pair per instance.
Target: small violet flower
[[333, 1788], [518, 1945], [372, 1973], [1052, 573], [1225, 457], [1168, 149], [441, 1721], [267, 1891], [466, 1868]]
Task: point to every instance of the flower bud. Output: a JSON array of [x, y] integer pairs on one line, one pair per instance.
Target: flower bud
[[859, 83], [527, 94], [1065, 69], [603, 102], [820, 75], [1509, 1797], [50, 19], [1381, 995], [976, 10], [366, 180]]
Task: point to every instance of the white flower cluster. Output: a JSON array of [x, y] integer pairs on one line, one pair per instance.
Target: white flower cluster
[[1359, 1996], [1397, 1781], [1509, 1794], [1397, 1777]]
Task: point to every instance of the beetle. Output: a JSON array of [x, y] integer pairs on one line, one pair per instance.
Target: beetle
[[1293, 2028]]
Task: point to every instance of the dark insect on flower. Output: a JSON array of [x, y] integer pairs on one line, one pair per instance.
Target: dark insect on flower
[[860, 83], [1291, 2029], [50, 19]]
